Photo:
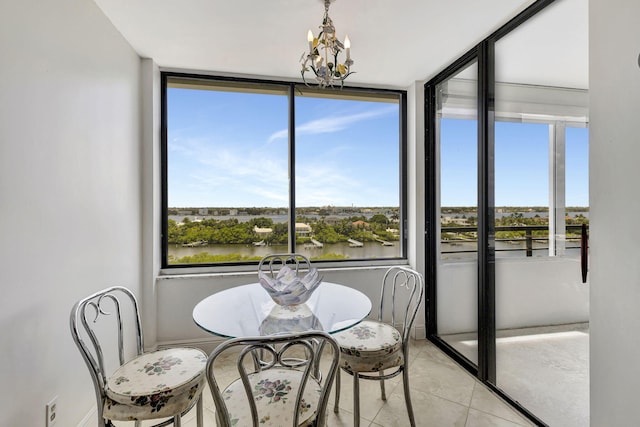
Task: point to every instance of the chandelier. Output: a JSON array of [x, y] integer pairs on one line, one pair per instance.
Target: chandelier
[[322, 58]]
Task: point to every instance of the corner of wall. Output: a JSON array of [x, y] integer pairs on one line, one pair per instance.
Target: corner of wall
[[150, 196], [416, 173]]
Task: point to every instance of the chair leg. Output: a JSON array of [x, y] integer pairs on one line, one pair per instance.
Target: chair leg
[[356, 400], [407, 396], [318, 349], [199, 412], [383, 394], [337, 401]]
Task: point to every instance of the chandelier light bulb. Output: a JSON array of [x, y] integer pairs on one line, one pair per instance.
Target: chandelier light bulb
[[347, 47], [310, 40]]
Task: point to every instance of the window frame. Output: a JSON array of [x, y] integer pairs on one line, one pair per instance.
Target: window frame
[[292, 88]]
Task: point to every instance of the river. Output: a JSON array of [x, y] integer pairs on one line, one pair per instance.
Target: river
[[370, 250], [367, 251]]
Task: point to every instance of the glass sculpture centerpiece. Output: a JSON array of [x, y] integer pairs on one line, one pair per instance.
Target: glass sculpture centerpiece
[[287, 287]]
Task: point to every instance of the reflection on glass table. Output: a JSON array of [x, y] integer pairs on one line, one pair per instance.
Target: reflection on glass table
[[248, 310], [293, 318]]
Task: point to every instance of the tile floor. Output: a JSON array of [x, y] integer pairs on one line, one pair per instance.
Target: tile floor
[[443, 395], [554, 384]]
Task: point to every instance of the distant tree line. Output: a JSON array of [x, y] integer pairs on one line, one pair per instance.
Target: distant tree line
[[232, 231]]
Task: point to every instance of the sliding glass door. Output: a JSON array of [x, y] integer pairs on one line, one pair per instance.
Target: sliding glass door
[[457, 133], [541, 199], [509, 189]]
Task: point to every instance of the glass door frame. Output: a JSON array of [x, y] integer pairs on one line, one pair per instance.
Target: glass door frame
[[484, 54]]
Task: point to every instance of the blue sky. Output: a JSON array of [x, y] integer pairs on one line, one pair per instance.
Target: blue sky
[[229, 149], [521, 164]]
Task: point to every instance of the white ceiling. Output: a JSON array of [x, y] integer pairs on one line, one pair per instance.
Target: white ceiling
[[394, 42]]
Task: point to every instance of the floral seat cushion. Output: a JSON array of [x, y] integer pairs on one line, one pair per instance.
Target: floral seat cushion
[[155, 384], [370, 346], [274, 392]]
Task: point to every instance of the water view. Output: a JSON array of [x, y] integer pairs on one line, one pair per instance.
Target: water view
[[366, 251], [215, 235], [208, 235]]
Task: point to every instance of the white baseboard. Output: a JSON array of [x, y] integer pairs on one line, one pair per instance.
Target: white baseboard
[[420, 332], [206, 345], [89, 420], [209, 344]]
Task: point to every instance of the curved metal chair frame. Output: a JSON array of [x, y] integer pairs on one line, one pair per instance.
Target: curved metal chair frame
[[299, 352], [274, 262], [92, 352], [395, 278]]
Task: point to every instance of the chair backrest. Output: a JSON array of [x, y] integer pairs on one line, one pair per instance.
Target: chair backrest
[[402, 290], [300, 352], [271, 264], [96, 324]]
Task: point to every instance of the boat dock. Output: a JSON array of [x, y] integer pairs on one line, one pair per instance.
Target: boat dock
[[384, 242], [314, 244], [195, 244], [355, 243]]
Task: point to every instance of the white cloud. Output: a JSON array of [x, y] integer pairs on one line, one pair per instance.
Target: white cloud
[[230, 175], [333, 124], [224, 173]]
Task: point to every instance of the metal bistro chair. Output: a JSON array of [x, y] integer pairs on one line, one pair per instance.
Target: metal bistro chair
[[276, 386], [134, 386], [371, 347]]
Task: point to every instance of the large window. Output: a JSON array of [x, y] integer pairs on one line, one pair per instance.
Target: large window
[[253, 167]]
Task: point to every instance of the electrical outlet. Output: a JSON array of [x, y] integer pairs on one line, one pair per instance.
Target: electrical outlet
[[52, 412]]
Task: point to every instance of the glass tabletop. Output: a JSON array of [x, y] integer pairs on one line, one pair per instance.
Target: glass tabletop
[[249, 311]]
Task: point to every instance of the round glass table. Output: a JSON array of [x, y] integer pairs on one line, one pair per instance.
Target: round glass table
[[248, 310]]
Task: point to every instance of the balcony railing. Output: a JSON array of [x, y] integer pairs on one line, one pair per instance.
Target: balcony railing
[[468, 234]]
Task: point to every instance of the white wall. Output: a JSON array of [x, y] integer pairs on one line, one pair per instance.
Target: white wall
[[416, 173], [614, 86], [529, 292], [69, 194], [151, 193]]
